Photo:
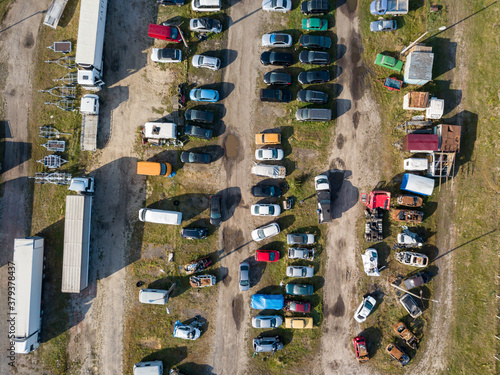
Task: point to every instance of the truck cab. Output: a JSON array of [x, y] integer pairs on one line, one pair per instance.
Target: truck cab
[[82, 185], [90, 78], [89, 104]]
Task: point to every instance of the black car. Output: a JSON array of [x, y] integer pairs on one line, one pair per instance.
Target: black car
[[199, 116], [315, 76], [195, 157], [312, 96], [170, 2], [194, 233], [314, 57], [314, 7], [266, 191], [315, 41], [198, 132], [277, 78], [272, 95], [215, 210], [276, 58]]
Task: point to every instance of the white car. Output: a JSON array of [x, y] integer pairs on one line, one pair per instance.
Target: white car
[[299, 271], [187, 332], [265, 209], [321, 182], [277, 40], [209, 62], [269, 154], [267, 321], [282, 6], [153, 296], [205, 25], [166, 55], [266, 231], [364, 309]]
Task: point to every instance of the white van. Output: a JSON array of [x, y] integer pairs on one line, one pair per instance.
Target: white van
[[160, 216], [149, 368], [206, 5], [153, 296]]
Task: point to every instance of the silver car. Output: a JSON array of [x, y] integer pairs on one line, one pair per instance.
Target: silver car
[[244, 281], [267, 344], [266, 321], [205, 25], [299, 271], [266, 231], [383, 25], [208, 62], [277, 40], [166, 55]]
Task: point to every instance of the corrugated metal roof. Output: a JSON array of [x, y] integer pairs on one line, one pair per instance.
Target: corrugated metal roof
[[419, 66], [76, 243], [449, 137], [91, 32], [421, 142]]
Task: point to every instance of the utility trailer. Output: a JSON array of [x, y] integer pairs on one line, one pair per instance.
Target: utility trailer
[[89, 108], [202, 281], [408, 216], [27, 272]]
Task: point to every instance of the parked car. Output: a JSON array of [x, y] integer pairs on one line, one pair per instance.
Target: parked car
[[187, 332], [206, 5], [312, 96], [170, 2], [267, 255], [208, 62], [267, 139], [204, 95], [215, 210], [388, 62], [360, 349], [313, 114], [277, 78], [205, 25], [166, 55], [276, 96], [406, 335], [364, 309], [412, 259], [301, 253], [315, 24], [315, 41], [195, 157], [277, 40], [265, 210], [266, 191], [244, 276], [410, 305], [321, 182], [276, 58], [162, 32], [300, 239], [314, 76], [419, 279], [297, 306], [299, 271], [383, 25], [267, 321], [299, 323], [266, 231], [153, 296], [197, 115], [299, 289], [194, 233], [314, 7], [267, 344], [397, 353], [281, 6], [314, 57], [198, 132], [269, 154]]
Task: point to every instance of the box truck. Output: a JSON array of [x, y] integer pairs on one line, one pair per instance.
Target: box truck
[[89, 44], [25, 309]]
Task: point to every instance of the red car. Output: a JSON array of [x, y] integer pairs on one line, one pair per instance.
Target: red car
[[360, 349], [297, 306], [169, 33], [267, 255]]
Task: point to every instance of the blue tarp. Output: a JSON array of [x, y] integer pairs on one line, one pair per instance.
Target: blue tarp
[[267, 301], [417, 184]]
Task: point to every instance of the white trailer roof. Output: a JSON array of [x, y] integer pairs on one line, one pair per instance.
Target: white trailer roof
[[28, 263], [91, 33], [160, 130], [148, 368], [76, 243]]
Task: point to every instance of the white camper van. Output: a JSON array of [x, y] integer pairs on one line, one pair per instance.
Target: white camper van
[[160, 216]]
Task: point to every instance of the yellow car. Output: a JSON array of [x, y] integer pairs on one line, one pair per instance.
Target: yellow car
[[299, 323]]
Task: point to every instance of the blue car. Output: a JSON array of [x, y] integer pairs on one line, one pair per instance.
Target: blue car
[[204, 95]]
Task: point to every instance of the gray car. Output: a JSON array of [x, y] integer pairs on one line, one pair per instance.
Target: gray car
[[313, 114], [383, 25], [267, 344], [411, 306], [300, 239], [299, 271], [266, 321], [244, 281]]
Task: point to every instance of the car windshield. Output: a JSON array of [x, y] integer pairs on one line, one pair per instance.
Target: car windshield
[[261, 233], [274, 153], [272, 256], [174, 32], [322, 181], [303, 271], [244, 282], [368, 305], [271, 210]]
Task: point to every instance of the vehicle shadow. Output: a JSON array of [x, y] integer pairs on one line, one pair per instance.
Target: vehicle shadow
[[226, 56], [190, 205], [181, 284], [374, 338], [231, 198], [215, 151], [195, 368], [169, 356]]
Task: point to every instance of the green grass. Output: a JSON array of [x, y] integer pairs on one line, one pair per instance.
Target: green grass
[[4, 8]]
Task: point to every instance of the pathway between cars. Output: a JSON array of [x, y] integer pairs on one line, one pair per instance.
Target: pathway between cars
[[354, 151], [232, 317]]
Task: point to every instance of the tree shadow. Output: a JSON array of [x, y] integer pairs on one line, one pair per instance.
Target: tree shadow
[[341, 50], [231, 198], [344, 194], [195, 368], [14, 154]]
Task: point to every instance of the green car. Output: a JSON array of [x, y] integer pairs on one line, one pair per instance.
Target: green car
[[315, 24], [299, 289], [389, 62]]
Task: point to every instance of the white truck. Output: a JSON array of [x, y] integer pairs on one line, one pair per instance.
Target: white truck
[[82, 185], [271, 171], [89, 44], [27, 271], [149, 368], [89, 108], [391, 7]]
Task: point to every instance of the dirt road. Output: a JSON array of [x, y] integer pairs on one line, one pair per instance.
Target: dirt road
[[18, 42], [230, 351], [358, 129]]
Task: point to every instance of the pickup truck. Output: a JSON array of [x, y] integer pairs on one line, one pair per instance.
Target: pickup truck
[[202, 281], [394, 7], [406, 335], [271, 171]]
